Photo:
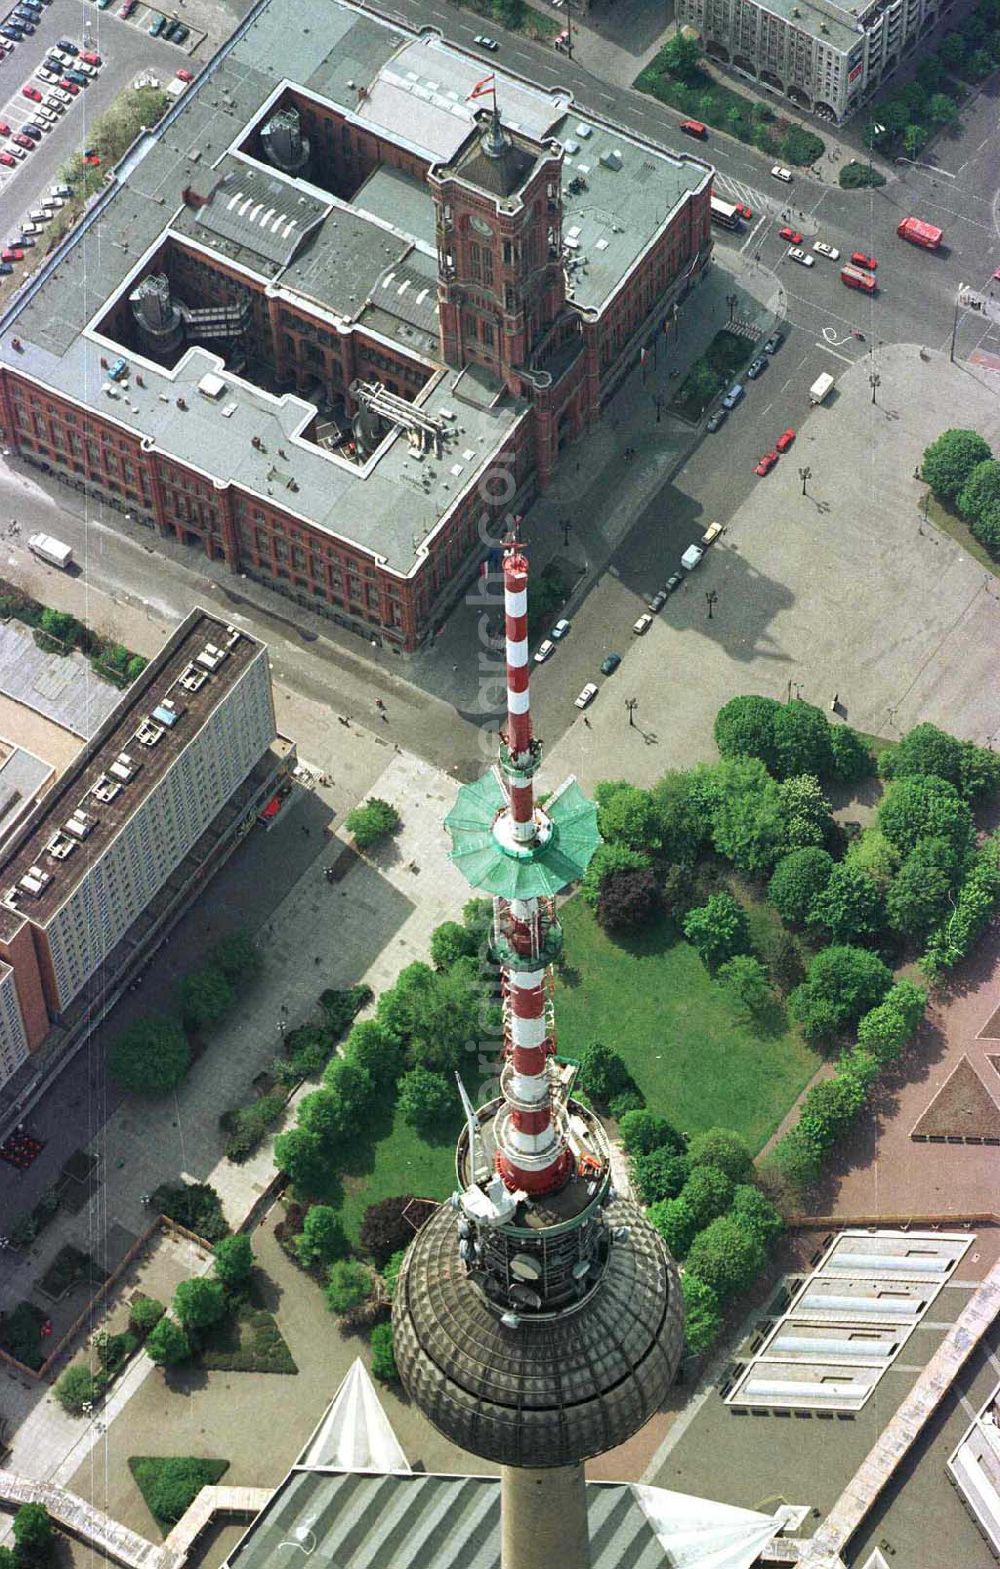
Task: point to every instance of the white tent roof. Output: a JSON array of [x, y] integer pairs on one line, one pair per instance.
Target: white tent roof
[[355, 1434], [696, 1533]]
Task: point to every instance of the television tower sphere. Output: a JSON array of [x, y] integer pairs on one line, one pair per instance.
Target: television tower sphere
[[538, 1318]]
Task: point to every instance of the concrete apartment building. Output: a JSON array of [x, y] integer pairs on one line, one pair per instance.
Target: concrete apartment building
[[341, 311], [824, 57], [119, 846]]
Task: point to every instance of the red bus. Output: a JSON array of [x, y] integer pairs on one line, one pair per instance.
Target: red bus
[[920, 233], [857, 278], [693, 128]]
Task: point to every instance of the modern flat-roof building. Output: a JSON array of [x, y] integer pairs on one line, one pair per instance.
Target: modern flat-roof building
[[157, 798], [340, 311], [825, 57]]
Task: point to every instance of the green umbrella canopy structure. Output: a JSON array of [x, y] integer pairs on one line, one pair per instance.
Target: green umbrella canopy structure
[[497, 866]]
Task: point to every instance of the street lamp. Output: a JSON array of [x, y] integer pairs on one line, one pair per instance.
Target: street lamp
[[711, 598], [658, 403], [805, 475], [874, 129], [732, 300], [874, 381], [565, 525], [631, 704], [954, 322]]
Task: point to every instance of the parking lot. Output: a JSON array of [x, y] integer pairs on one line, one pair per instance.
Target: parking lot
[[125, 49]]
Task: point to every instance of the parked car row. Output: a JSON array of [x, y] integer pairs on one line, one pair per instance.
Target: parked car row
[[19, 24], [609, 664], [767, 462], [65, 70], [737, 392]]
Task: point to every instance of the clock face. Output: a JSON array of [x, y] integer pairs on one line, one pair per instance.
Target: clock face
[[481, 226]]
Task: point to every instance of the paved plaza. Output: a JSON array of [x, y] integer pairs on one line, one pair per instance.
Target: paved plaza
[[845, 591]]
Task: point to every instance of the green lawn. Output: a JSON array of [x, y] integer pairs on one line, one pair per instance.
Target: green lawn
[[402, 1162], [654, 1001]]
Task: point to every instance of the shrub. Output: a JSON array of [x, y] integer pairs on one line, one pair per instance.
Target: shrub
[[853, 176], [660, 1174], [885, 1030], [642, 1132], [702, 1314], [78, 1388], [199, 1304], [383, 1354], [340, 1007], [237, 956], [726, 1257], [249, 1125], [371, 822], [747, 982], [33, 1533], [626, 1101], [718, 929], [386, 1228], [829, 1109], [744, 727], [753, 1211], [426, 1100], [628, 900], [920, 896], [348, 1285], [950, 460], [627, 815], [114, 1350], [195, 1205], [852, 760], [606, 859], [381, 1054], [144, 1314], [206, 996], [801, 740], [851, 908], [308, 1049], [798, 1157], [390, 1273], [20, 1334], [168, 1344], [170, 1484], [722, 1148], [452, 941], [675, 1223], [797, 881], [924, 750], [842, 984], [603, 1072], [707, 1193], [322, 1238], [975, 907], [234, 1263], [922, 806], [151, 1057]]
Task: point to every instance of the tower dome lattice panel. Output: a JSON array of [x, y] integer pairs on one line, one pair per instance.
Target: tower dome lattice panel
[[550, 1392]]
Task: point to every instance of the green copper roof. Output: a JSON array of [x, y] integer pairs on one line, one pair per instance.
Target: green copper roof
[[530, 874]]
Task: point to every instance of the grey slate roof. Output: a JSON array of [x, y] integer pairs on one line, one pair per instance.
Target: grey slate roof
[[427, 1522]]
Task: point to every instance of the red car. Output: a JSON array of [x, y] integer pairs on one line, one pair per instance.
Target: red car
[[4, 128], [184, 76], [68, 86], [860, 259], [13, 254], [784, 441], [32, 93], [7, 161], [25, 142], [996, 274], [766, 464], [91, 58], [126, 10], [745, 212], [791, 235]]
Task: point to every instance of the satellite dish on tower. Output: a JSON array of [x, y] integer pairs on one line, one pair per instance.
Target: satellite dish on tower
[[525, 1267], [581, 1269], [525, 1296]]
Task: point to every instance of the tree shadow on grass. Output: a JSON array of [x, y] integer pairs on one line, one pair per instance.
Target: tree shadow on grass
[[648, 941]]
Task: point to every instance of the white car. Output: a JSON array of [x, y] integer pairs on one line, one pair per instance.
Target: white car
[[61, 96], [822, 249], [52, 203], [45, 75], [586, 696], [782, 174], [485, 42], [801, 257], [643, 624], [691, 557], [559, 630], [543, 651]]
